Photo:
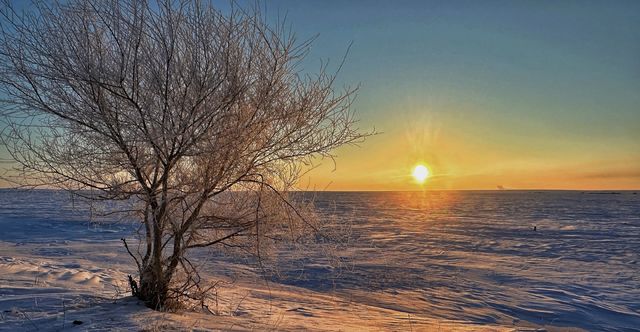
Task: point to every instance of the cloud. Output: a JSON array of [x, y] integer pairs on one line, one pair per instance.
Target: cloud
[[612, 174]]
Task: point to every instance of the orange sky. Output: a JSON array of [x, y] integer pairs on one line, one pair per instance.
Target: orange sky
[[462, 155], [524, 95], [518, 94]]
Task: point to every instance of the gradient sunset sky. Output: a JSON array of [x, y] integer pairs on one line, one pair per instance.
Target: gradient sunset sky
[[519, 94]]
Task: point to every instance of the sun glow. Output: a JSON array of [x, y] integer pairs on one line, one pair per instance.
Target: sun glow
[[421, 173]]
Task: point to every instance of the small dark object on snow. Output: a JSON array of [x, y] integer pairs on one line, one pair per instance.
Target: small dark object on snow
[[535, 228], [77, 322], [134, 286]]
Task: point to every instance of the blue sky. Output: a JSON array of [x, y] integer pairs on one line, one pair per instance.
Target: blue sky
[[553, 84], [523, 94]]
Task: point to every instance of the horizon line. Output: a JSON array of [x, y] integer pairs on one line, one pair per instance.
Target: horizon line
[[382, 190]]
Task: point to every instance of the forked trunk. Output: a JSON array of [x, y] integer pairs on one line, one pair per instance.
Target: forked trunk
[[154, 289]]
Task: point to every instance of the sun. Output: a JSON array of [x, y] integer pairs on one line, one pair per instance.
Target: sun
[[420, 173]]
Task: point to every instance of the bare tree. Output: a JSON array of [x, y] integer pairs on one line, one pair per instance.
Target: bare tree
[[202, 117]]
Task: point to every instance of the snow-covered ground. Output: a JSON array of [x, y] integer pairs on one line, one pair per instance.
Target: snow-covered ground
[[434, 261]]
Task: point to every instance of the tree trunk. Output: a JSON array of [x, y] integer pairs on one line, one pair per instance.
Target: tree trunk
[[153, 289]]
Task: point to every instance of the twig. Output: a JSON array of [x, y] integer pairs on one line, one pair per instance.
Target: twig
[[132, 255]]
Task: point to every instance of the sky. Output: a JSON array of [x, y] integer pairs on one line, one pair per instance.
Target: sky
[[516, 94]]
